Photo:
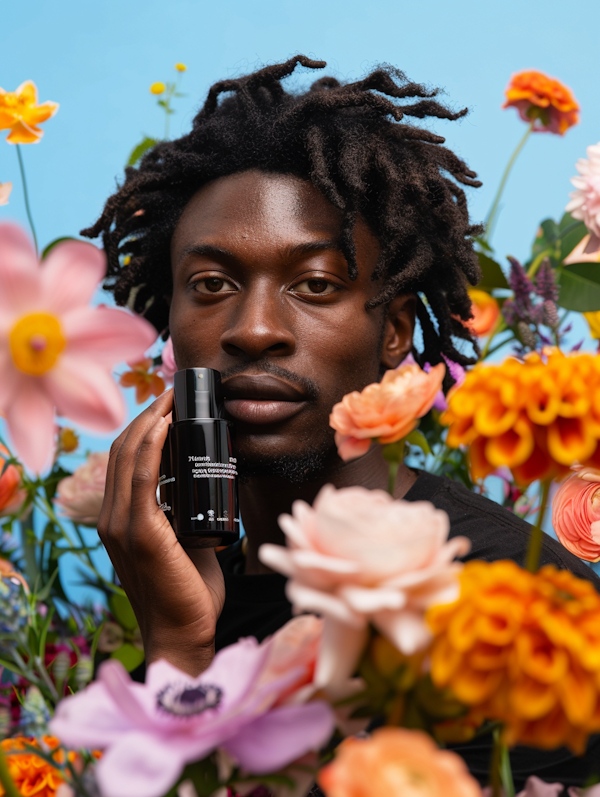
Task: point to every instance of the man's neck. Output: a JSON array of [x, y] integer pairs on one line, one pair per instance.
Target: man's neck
[[263, 499]]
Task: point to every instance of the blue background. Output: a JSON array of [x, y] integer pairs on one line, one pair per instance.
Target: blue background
[[98, 59]]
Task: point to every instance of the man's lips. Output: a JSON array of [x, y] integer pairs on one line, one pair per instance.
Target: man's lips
[[261, 399]]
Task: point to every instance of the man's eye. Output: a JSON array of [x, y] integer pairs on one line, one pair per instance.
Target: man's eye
[[214, 285], [315, 287]]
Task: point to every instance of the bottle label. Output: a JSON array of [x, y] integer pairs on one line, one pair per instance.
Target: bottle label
[[205, 468]]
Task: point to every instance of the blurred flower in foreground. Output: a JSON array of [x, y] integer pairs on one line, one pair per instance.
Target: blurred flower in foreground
[[486, 313], [145, 381], [33, 775], [5, 189], [524, 649], [151, 731], [80, 496], [385, 411], [536, 416], [21, 114], [168, 366], [576, 514], [12, 495], [357, 556], [157, 88], [542, 101], [396, 761], [55, 350], [585, 200]]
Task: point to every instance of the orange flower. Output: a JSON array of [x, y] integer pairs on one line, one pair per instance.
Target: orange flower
[[21, 114], [485, 313], [386, 411], [522, 648], [543, 101], [576, 514], [537, 417], [11, 494], [146, 382], [31, 774], [396, 761]]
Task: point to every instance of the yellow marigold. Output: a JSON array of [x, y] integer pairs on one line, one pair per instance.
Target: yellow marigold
[[146, 382], [31, 774], [543, 101], [522, 648], [21, 114], [537, 417], [157, 88]]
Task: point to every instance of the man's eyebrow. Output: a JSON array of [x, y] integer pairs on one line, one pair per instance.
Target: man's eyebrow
[[218, 252]]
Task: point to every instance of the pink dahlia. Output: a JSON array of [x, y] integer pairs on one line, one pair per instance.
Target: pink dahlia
[[585, 200], [56, 352]]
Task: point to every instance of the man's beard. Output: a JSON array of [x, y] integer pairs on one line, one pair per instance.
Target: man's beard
[[295, 468]]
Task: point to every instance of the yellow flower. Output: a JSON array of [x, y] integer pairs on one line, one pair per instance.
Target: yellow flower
[[145, 381], [536, 417], [157, 88], [31, 774], [180, 67], [21, 114], [68, 440], [524, 649], [593, 320]]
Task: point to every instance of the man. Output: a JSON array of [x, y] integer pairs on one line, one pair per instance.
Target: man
[[289, 241]]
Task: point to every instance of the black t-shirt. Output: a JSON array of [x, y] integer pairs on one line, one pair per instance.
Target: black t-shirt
[[256, 605]]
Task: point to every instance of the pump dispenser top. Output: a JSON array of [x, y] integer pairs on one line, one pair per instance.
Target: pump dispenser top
[[197, 394]]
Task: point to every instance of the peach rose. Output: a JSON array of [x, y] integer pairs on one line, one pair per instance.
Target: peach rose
[[396, 761], [358, 557], [385, 411], [12, 495], [576, 513], [80, 496], [486, 313]]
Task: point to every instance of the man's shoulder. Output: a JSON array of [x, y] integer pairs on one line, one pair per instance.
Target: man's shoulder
[[495, 532]]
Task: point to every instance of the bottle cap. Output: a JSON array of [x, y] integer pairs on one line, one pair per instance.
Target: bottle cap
[[197, 394]]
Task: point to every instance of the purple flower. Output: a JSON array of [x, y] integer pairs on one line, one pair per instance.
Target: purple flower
[[151, 731], [545, 282]]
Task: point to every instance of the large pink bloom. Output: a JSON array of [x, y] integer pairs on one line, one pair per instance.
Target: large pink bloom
[[358, 556], [56, 353], [240, 704], [576, 513]]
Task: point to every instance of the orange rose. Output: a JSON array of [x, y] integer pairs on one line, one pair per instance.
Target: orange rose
[[396, 761], [542, 101], [11, 494], [486, 313], [385, 411]]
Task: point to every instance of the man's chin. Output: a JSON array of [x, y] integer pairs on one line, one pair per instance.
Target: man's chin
[[296, 468]]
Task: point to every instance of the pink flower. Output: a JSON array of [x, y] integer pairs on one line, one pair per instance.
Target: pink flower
[[80, 496], [585, 200], [359, 557], [386, 411], [576, 513], [5, 189], [169, 366], [55, 351], [151, 731]]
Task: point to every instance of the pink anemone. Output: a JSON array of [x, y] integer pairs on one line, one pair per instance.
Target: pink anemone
[[56, 352]]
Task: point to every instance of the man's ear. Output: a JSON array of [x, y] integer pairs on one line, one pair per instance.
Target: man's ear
[[398, 330]]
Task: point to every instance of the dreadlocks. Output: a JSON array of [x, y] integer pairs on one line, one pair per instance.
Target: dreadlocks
[[351, 141]]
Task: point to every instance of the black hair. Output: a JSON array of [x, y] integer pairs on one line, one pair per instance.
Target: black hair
[[352, 141]]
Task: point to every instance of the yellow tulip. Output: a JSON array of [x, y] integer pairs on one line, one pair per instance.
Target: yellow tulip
[[21, 114]]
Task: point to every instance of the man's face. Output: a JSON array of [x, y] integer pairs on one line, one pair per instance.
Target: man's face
[[261, 293]]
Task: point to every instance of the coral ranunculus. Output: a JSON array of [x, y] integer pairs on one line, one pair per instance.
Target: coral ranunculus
[[585, 200], [537, 417], [56, 352], [576, 514], [80, 496], [544, 102], [31, 774], [385, 411], [524, 649], [399, 763], [357, 556], [486, 313], [21, 114]]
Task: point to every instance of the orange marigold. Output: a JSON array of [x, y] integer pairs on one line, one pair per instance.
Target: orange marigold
[[21, 114], [536, 416], [146, 382], [542, 101], [33, 775], [522, 648]]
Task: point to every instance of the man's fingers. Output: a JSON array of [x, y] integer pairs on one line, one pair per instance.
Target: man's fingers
[[146, 471]]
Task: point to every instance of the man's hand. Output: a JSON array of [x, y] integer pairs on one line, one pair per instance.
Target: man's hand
[[177, 597]]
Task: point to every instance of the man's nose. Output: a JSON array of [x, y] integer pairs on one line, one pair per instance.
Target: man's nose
[[260, 326]]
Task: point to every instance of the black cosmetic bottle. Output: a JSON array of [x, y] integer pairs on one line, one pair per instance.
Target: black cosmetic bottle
[[198, 482]]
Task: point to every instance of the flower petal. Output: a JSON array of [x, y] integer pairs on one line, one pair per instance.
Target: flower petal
[[406, 630], [306, 599], [109, 336], [30, 421], [339, 653], [70, 275], [19, 272]]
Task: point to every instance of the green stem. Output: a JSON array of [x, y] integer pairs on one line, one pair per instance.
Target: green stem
[[531, 272], [494, 209], [500, 327], [506, 773], [10, 790], [393, 473], [537, 535], [29, 543], [495, 764], [26, 195]]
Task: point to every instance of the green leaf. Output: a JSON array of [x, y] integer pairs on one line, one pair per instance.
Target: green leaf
[[550, 230], [492, 274], [129, 656], [44, 629], [580, 287], [417, 438], [571, 236], [122, 612], [43, 594], [394, 452], [54, 243], [141, 149]]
